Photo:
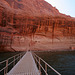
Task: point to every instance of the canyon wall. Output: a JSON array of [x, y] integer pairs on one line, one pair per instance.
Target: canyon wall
[[36, 20]]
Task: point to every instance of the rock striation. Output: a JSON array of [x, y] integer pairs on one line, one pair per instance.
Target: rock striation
[[35, 18]]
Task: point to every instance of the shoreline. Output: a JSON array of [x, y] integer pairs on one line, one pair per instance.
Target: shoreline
[[55, 50]]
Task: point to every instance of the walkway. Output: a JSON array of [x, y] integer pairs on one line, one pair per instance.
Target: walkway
[[26, 66]]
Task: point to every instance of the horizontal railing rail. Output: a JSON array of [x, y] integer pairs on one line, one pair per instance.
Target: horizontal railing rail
[[9, 58], [38, 60], [15, 58]]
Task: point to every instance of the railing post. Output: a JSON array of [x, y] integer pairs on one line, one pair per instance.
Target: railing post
[[20, 56], [39, 67], [14, 61], [35, 60], [46, 68], [6, 70]]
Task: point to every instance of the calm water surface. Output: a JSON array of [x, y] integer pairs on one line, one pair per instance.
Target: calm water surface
[[63, 61], [4, 56]]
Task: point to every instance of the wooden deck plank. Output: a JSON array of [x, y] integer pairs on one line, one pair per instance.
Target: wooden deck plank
[[26, 66]]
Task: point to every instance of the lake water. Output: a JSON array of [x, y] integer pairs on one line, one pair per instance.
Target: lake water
[[4, 56], [62, 61]]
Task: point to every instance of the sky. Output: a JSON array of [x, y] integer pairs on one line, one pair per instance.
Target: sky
[[64, 6]]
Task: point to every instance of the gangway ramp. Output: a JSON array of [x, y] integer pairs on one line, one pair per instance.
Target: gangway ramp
[[28, 63], [26, 66]]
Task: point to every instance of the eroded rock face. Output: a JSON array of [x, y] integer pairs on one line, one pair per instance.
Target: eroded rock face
[[34, 7], [38, 18]]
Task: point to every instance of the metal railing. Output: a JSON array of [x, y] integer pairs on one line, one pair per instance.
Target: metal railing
[[39, 62], [10, 61]]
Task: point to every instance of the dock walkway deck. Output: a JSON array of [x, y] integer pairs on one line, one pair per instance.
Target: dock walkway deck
[[26, 66]]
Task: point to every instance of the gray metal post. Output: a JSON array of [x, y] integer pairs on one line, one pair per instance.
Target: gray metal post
[[14, 61], [46, 68], [6, 70], [39, 66]]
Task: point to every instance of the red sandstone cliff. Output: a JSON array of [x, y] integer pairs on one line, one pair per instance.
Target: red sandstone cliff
[[27, 17], [31, 7], [34, 7]]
